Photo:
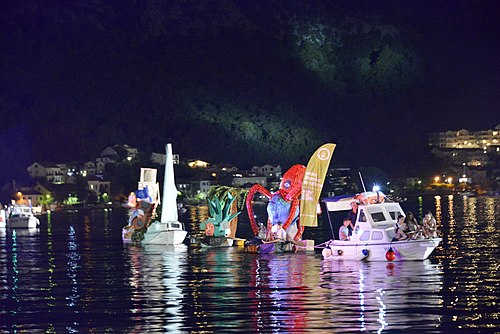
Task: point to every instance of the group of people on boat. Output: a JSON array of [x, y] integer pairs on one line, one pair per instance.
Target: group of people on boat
[[274, 239], [408, 228], [276, 234]]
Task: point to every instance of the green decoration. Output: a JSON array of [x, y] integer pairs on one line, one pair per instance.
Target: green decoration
[[220, 215]]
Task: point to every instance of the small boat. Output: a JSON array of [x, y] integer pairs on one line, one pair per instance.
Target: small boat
[[21, 216], [373, 232], [167, 231], [3, 218]]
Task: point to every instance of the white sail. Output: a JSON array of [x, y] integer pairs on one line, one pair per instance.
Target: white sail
[[169, 205]]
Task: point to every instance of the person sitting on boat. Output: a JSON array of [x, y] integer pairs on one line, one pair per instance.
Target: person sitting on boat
[[400, 229], [262, 231], [344, 230], [412, 224], [279, 235], [429, 225]]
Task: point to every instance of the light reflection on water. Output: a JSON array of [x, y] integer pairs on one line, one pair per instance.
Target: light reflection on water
[[75, 275]]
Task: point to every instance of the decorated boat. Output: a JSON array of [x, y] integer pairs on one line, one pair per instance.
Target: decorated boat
[[374, 232], [142, 225], [292, 207], [224, 205]]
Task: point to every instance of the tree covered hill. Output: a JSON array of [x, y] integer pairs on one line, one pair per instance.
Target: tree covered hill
[[246, 82]]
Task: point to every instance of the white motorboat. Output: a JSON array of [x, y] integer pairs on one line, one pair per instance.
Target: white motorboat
[[3, 218], [374, 230], [22, 217]]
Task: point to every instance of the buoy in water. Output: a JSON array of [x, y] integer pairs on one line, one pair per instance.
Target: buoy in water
[[326, 252], [390, 255]]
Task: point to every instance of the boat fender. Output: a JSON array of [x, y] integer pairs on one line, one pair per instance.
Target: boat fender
[[340, 252], [326, 252], [365, 252], [390, 255]]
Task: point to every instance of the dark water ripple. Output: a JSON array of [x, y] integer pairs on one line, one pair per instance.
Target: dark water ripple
[[74, 275]]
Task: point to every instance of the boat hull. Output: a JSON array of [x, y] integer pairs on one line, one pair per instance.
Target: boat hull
[[211, 242], [164, 234], [23, 222], [412, 250]]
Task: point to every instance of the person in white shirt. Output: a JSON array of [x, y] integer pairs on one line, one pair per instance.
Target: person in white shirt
[[279, 235], [344, 230]]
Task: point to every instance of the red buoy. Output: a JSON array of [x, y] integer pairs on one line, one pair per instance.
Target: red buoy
[[390, 255]]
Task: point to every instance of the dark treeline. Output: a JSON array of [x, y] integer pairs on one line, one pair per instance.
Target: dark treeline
[[246, 82]]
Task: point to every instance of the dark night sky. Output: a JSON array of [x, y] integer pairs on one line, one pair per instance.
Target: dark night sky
[[373, 76]]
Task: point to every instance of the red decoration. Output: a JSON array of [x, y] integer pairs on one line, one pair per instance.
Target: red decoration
[[290, 190], [390, 255]]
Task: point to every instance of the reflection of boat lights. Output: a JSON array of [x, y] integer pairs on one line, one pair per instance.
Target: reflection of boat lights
[[437, 200], [73, 258], [15, 273], [382, 312], [361, 295], [172, 276]]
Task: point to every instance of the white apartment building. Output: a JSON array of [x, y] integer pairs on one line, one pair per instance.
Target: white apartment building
[[239, 181], [37, 170], [267, 170], [487, 140], [160, 159]]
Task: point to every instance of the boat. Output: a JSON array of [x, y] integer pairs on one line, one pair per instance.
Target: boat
[[167, 231], [21, 216], [373, 232], [293, 206], [221, 225], [3, 218]]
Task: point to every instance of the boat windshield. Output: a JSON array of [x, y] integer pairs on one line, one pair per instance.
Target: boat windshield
[[391, 232], [378, 217]]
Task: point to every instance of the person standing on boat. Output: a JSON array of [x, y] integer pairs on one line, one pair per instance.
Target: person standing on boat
[[344, 230], [353, 214]]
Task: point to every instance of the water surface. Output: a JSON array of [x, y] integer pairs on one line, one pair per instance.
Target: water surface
[[74, 275]]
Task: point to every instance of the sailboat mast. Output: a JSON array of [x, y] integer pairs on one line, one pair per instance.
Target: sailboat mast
[[169, 206]]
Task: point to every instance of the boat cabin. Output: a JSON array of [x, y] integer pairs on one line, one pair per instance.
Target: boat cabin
[[21, 211], [375, 222]]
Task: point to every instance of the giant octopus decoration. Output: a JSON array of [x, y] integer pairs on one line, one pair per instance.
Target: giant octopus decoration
[[283, 205]]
